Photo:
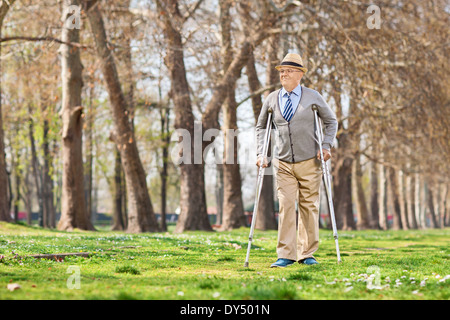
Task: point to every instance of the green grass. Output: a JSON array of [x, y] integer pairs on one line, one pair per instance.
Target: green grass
[[402, 265]]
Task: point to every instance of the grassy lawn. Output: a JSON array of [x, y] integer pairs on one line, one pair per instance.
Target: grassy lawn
[[377, 265]]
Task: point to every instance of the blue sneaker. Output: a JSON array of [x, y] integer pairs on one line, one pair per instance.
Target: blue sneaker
[[281, 263], [309, 261]]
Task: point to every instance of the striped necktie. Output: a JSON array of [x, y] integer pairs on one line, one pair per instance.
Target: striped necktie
[[288, 111]]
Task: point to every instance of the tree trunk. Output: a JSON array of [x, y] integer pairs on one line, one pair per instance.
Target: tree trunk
[[47, 182], [219, 192], [395, 199], [27, 199], [18, 172], [410, 201], [73, 205], [382, 195], [401, 199], [374, 205], [361, 205], [165, 136], [342, 186], [141, 217], [342, 169], [89, 145], [233, 209], [36, 168], [266, 210], [431, 207], [422, 196], [443, 192], [193, 215], [446, 205], [119, 221], [4, 205]]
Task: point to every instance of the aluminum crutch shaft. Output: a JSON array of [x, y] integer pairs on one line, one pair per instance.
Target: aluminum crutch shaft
[[259, 184], [326, 180]]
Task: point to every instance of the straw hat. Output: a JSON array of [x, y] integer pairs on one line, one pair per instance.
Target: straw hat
[[292, 60]]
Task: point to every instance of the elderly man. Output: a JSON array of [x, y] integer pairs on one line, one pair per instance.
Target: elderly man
[[297, 164]]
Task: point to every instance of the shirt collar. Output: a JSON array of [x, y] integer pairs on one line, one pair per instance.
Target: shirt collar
[[297, 91]]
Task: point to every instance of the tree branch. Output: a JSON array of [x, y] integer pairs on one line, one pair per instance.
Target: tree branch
[[192, 11], [259, 92], [46, 38]]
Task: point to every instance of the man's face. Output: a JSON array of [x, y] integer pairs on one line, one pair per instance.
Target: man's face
[[290, 78]]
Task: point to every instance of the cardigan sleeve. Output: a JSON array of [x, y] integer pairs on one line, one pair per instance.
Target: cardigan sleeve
[[330, 123], [261, 124]]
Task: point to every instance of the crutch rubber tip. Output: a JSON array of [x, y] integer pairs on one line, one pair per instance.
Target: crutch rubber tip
[[246, 265]]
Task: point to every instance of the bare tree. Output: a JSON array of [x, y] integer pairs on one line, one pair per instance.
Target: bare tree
[[141, 217], [4, 204], [193, 214], [266, 214], [233, 208], [73, 205]]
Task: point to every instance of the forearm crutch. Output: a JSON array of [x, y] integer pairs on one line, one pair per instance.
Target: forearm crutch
[[259, 183], [326, 179]]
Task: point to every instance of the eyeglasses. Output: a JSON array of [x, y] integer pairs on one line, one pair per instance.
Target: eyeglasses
[[288, 71]]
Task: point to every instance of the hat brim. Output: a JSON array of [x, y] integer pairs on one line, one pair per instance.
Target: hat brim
[[291, 66]]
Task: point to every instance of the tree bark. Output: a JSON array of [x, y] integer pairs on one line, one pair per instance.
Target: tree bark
[[47, 182], [342, 171], [73, 205], [233, 208], [431, 206], [141, 217], [374, 205], [36, 167], [410, 201], [4, 205], [89, 146], [119, 221], [361, 205], [165, 136], [342, 186], [266, 210], [193, 215], [395, 199]]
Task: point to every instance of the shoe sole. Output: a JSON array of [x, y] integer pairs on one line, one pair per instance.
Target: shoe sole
[[309, 264], [272, 266]]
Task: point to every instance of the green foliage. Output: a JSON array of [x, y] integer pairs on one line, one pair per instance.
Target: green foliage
[[127, 269], [377, 265]]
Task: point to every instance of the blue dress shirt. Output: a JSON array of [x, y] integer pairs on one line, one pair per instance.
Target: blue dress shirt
[[295, 98]]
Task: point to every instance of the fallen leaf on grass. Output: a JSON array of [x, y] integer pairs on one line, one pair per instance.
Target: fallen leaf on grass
[[13, 286]]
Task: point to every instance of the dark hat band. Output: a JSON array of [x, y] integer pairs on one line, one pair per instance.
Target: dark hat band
[[288, 63]]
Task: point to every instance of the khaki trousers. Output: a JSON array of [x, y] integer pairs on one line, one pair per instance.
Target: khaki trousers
[[298, 182]]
